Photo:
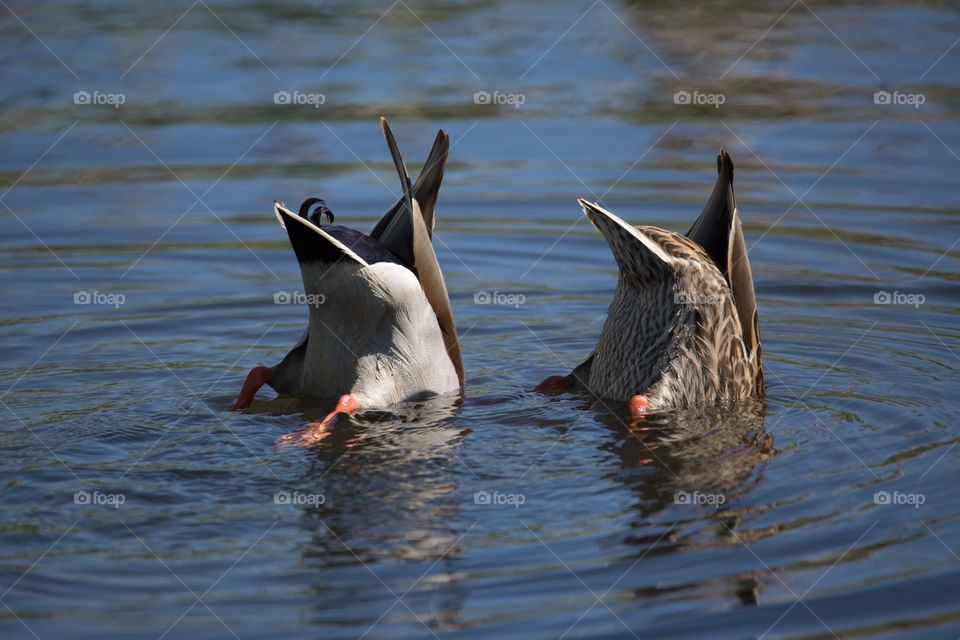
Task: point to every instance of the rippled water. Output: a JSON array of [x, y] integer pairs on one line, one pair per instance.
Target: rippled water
[[166, 201]]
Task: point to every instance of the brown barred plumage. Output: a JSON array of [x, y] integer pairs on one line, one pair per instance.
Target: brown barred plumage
[[674, 330]]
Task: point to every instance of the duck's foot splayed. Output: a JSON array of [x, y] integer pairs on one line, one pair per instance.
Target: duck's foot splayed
[[316, 432]]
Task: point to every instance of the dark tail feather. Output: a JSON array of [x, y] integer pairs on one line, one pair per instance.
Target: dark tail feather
[[427, 187], [395, 228], [712, 229], [719, 231], [425, 191]]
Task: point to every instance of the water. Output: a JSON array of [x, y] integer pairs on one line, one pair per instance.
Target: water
[[166, 201]]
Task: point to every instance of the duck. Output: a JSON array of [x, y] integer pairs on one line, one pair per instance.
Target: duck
[[381, 329], [682, 329]]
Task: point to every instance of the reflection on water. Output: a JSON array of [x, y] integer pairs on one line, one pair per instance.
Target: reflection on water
[[825, 509], [391, 493]]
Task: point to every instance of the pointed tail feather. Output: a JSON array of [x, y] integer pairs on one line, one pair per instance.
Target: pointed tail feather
[[398, 162], [435, 289], [395, 229], [719, 231], [636, 253], [711, 229], [407, 232], [427, 187], [425, 190]]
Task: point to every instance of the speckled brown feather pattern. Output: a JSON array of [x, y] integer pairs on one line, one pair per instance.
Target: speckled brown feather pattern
[[710, 362], [672, 331], [676, 245]]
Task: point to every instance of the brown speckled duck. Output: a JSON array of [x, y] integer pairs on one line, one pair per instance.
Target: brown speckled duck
[[682, 329]]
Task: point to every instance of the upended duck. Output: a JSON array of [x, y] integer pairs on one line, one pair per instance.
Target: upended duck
[[381, 330], [682, 329]]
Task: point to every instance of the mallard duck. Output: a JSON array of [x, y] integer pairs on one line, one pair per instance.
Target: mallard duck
[[380, 329], [682, 329]]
